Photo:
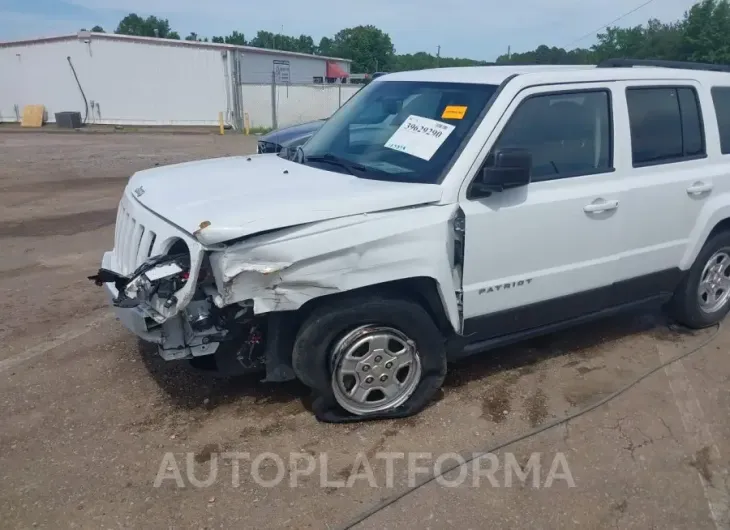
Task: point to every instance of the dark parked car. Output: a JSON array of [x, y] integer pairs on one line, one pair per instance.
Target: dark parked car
[[290, 137], [294, 135]]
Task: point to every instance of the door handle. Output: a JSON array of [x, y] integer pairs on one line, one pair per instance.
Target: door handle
[[599, 205], [699, 187]]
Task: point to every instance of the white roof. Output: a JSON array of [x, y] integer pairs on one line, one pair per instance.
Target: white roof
[[495, 75], [162, 42]]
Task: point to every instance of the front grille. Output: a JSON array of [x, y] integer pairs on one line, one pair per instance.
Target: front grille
[[133, 243], [268, 147]]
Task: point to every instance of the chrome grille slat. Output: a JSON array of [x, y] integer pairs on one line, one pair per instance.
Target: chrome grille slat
[[143, 244], [127, 236], [123, 242], [130, 254], [153, 240], [136, 241], [117, 227], [133, 241]]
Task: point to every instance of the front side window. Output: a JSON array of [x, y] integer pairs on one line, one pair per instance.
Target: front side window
[[666, 125], [721, 100], [406, 131], [567, 133]]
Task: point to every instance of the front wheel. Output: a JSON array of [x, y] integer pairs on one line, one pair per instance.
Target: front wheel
[[703, 297], [374, 357]]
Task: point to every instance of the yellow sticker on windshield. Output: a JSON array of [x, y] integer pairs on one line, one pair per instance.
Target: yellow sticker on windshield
[[454, 112]]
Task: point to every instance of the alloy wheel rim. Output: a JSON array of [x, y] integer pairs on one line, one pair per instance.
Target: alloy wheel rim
[[374, 368], [713, 291]]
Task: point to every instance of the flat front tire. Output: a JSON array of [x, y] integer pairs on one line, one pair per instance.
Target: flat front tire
[[372, 356]]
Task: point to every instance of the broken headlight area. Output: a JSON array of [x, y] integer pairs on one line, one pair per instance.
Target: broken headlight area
[[160, 276]]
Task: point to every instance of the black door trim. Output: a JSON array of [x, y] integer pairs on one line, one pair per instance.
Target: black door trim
[[512, 325]]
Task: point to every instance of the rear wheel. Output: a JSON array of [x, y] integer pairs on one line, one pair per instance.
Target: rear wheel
[[371, 356], [703, 297]]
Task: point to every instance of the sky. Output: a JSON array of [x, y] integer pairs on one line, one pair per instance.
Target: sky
[[477, 29]]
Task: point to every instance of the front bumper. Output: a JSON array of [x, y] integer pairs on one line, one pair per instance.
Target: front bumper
[[173, 335]]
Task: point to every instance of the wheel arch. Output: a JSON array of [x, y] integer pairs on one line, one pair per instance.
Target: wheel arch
[[285, 326], [424, 290], [713, 221]]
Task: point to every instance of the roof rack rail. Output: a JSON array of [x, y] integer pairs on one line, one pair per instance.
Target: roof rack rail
[[684, 65]]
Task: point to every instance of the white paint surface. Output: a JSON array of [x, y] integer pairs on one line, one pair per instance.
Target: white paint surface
[[245, 195]]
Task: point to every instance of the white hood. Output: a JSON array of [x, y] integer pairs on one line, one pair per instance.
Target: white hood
[[240, 196]]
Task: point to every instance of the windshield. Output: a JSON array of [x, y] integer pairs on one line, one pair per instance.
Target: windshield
[[404, 131]]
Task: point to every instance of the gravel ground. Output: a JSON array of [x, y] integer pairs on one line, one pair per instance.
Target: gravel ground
[[90, 418]]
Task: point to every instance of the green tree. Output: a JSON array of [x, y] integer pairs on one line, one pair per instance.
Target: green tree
[[263, 39], [305, 44], [706, 36], [545, 55], [235, 38], [279, 41], [414, 61], [324, 47], [702, 35], [151, 26], [422, 60], [97, 29], [369, 48]]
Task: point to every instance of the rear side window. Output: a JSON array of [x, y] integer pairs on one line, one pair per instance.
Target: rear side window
[[666, 125], [721, 99]]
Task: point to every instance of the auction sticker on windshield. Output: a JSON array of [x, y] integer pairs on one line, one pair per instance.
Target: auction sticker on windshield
[[420, 137]]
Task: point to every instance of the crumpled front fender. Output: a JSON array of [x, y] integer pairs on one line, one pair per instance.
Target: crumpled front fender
[[283, 270]]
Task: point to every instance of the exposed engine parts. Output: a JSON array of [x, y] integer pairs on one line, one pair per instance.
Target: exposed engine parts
[[201, 328], [160, 276]]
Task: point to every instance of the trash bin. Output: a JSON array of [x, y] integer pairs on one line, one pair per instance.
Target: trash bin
[[68, 120]]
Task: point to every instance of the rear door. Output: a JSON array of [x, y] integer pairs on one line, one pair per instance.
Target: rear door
[[666, 181]]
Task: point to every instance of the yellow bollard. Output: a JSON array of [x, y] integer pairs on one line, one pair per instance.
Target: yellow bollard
[[220, 122], [246, 123]]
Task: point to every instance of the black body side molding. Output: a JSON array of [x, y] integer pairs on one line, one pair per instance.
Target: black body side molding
[[521, 323]]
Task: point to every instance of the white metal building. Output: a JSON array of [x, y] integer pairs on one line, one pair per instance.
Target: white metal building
[[148, 81]]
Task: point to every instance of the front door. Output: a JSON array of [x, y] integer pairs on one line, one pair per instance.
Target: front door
[[545, 252]]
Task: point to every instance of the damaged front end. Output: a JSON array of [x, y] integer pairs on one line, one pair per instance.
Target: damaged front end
[[228, 339], [160, 276], [234, 306]]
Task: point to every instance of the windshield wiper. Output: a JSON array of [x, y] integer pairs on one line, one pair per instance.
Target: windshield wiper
[[329, 158]]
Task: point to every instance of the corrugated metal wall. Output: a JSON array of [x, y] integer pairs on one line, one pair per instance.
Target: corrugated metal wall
[[148, 83], [129, 82], [258, 68]]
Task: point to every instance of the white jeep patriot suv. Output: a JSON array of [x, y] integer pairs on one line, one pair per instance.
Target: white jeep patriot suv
[[437, 214]]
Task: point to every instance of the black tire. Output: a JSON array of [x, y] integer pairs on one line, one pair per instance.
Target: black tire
[[685, 306], [312, 355]]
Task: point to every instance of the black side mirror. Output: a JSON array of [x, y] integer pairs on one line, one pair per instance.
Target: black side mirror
[[506, 168]]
